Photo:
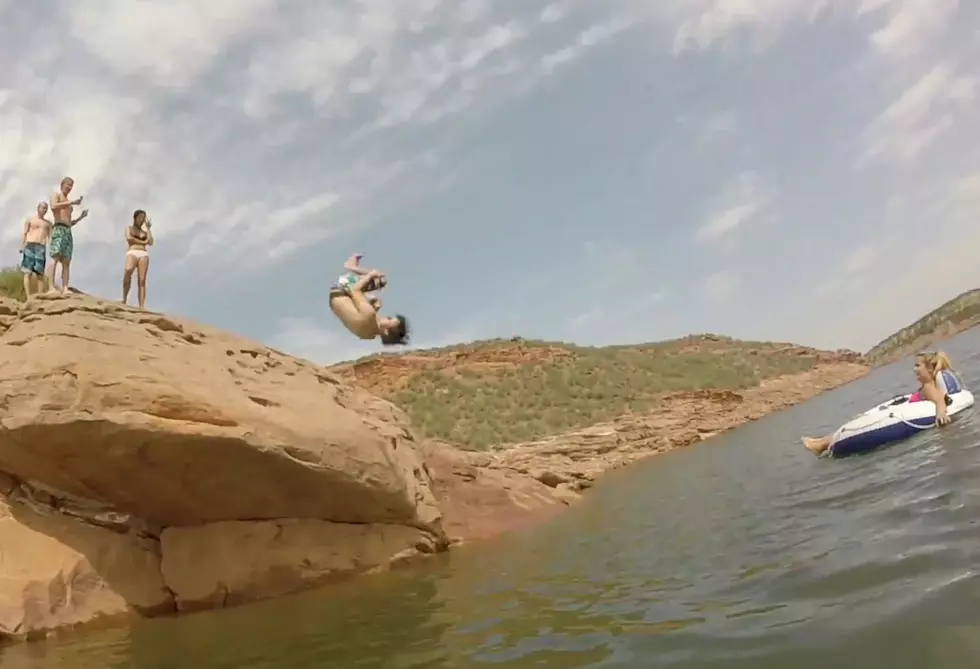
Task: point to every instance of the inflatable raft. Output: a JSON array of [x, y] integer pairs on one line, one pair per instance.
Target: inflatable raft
[[897, 419]]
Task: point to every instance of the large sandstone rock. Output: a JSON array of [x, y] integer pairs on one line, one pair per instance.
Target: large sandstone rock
[[157, 465], [56, 572], [184, 425], [229, 563]]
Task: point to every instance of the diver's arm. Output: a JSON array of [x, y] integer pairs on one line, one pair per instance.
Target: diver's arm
[[357, 291]]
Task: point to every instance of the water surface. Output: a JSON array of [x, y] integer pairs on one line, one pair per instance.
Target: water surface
[[743, 551]]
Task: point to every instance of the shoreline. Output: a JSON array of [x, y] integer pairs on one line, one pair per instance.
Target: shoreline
[[546, 476]]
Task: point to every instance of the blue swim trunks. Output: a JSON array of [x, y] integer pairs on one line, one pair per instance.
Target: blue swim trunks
[[33, 258]]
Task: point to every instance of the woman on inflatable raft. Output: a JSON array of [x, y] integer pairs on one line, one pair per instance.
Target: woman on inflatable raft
[[937, 381]]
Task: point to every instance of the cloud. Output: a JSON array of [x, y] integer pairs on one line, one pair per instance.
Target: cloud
[[888, 282], [588, 38], [853, 267], [913, 25], [702, 24], [168, 44], [611, 323], [719, 124], [741, 203], [553, 12], [268, 138], [920, 115], [720, 286], [250, 129]]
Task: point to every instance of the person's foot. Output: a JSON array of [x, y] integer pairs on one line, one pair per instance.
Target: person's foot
[[814, 445]]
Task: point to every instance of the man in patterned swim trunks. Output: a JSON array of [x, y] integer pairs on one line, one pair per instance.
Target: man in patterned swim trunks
[[62, 239], [36, 231], [358, 311]]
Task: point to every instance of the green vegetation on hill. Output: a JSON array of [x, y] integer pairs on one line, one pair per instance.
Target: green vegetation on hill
[[477, 408], [12, 283], [960, 312]]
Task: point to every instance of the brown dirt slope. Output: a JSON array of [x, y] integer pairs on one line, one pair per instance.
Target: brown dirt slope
[[958, 314], [496, 392]]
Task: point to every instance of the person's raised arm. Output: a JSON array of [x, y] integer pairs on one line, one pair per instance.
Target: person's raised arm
[[358, 289], [84, 214], [149, 235], [931, 392], [59, 201]]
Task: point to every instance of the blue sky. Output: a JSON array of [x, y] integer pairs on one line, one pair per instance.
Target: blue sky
[[600, 172]]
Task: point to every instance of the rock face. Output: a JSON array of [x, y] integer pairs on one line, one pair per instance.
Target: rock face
[[236, 472], [57, 572], [481, 501]]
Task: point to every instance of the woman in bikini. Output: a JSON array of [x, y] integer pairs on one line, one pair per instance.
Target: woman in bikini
[[139, 238], [926, 367]]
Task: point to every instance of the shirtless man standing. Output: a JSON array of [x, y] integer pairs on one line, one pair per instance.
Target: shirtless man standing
[[37, 229], [62, 240]]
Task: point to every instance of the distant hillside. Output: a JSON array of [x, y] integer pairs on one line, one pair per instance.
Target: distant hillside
[[507, 391], [960, 313]]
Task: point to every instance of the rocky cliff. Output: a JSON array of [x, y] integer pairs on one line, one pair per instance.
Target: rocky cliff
[[152, 465]]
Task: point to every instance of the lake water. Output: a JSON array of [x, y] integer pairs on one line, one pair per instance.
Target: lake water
[[744, 551]]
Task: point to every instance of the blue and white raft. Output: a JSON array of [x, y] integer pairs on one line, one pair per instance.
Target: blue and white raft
[[898, 419]]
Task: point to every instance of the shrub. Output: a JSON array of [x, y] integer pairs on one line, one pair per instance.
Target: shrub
[[12, 283], [591, 385]]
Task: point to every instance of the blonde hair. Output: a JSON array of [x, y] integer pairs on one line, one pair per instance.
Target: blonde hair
[[936, 361]]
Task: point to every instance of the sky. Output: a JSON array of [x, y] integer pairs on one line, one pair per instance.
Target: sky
[[596, 172]]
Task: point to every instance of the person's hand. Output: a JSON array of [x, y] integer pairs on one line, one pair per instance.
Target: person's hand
[[77, 200], [84, 213], [942, 419]]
